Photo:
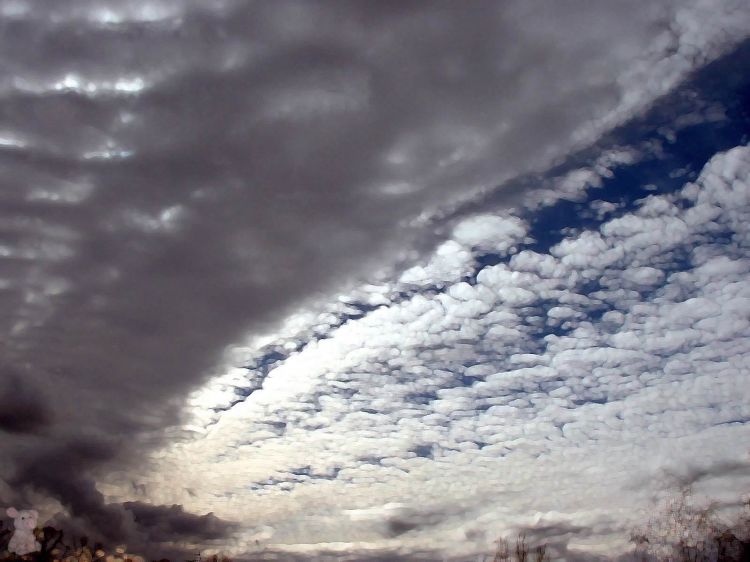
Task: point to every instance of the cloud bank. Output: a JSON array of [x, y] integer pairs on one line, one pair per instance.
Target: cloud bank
[[179, 175], [445, 416]]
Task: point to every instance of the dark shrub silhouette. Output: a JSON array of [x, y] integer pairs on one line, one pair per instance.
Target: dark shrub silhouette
[[684, 531], [520, 552]]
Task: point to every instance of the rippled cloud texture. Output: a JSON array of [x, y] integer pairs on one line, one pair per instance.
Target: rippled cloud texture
[[249, 267]]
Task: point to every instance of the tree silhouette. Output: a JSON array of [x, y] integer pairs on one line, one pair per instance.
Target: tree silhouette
[[683, 531]]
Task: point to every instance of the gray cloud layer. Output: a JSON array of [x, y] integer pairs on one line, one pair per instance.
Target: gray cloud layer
[[178, 173]]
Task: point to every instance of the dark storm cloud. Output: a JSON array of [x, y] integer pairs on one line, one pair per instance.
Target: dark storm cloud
[[23, 409], [175, 174], [64, 472], [173, 523]]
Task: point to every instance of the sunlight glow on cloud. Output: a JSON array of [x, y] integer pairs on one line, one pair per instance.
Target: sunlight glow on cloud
[[79, 85]]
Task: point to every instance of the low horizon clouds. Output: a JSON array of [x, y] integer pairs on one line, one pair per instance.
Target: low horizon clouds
[[249, 266]]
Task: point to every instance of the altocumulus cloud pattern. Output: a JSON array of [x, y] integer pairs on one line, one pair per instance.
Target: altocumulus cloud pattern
[[372, 281], [532, 391]]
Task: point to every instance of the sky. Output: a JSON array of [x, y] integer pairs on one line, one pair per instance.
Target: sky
[[372, 280]]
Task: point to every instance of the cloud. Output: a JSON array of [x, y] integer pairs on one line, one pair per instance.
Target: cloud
[[62, 472], [23, 406], [180, 175], [163, 523], [480, 405]]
